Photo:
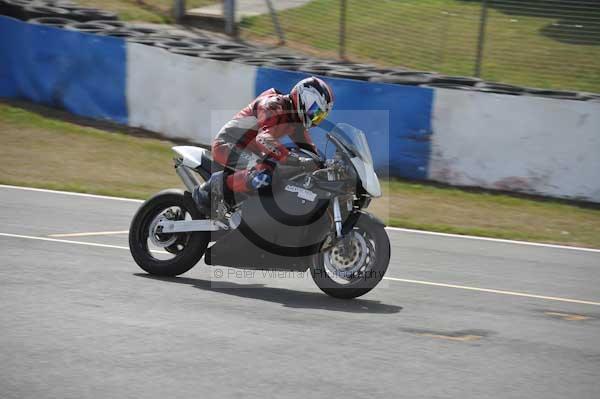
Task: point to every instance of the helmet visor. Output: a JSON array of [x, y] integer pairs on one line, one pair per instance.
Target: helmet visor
[[316, 114]]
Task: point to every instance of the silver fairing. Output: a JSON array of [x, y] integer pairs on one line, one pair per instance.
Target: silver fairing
[[367, 176], [192, 156], [354, 144]]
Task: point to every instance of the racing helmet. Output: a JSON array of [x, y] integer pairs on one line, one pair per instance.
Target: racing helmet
[[313, 100]]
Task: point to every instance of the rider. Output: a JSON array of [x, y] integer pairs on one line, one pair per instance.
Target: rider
[[254, 133]]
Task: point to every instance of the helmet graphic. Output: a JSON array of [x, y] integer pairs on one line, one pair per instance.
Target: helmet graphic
[[313, 100]]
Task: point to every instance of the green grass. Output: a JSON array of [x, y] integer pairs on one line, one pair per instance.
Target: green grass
[[452, 210], [522, 45], [40, 150], [157, 11], [46, 152], [441, 35]]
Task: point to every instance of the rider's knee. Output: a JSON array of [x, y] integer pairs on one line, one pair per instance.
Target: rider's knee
[[260, 178]]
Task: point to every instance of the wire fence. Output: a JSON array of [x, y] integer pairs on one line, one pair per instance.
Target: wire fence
[[537, 43]]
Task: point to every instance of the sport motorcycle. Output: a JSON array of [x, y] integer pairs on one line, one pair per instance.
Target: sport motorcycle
[[306, 219]]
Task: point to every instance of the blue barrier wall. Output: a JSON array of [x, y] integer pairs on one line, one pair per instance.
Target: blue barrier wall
[[396, 119], [475, 140], [82, 73]]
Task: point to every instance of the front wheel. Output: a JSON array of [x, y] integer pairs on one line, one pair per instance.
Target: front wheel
[[166, 254], [354, 271]]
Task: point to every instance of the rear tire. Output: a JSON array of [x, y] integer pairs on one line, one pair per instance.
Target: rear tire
[[377, 236], [193, 244]]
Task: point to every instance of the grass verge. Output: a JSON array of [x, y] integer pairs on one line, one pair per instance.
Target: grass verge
[[522, 45], [43, 151], [39, 151], [157, 11]]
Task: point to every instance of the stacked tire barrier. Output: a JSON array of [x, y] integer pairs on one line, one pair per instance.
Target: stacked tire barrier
[[420, 124], [66, 14]]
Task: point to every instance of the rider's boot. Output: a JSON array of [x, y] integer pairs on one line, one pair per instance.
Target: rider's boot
[[209, 195]]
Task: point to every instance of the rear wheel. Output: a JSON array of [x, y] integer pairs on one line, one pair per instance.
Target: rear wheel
[[166, 254], [357, 269]]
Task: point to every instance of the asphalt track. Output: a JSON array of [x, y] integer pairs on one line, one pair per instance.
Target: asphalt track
[[456, 317]]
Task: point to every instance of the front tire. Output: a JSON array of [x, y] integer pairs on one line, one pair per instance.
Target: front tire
[[171, 254], [348, 281]]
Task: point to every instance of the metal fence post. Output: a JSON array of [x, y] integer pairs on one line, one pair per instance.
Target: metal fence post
[[343, 9], [179, 10], [481, 38], [276, 22], [229, 15]]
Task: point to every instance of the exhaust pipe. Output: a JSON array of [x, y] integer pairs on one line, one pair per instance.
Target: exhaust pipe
[[187, 176]]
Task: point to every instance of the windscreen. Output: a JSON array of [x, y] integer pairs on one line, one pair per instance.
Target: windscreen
[[354, 140]]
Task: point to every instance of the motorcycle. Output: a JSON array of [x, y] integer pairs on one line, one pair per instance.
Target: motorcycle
[[311, 218]]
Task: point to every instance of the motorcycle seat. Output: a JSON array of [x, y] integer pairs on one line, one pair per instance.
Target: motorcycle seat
[[208, 164], [198, 159]]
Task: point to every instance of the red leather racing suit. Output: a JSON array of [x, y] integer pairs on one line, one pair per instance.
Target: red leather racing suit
[[256, 129]]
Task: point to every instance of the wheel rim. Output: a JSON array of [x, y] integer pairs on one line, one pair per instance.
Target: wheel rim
[[349, 268], [161, 246], [159, 239]]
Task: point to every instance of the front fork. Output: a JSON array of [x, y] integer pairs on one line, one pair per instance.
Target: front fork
[[337, 217], [337, 212], [342, 228]]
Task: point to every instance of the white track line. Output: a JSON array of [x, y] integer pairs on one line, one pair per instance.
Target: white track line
[[43, 190], [423, 232], [92, 233], [462, 287], [91, 244], [500, 240], [502, 292]]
